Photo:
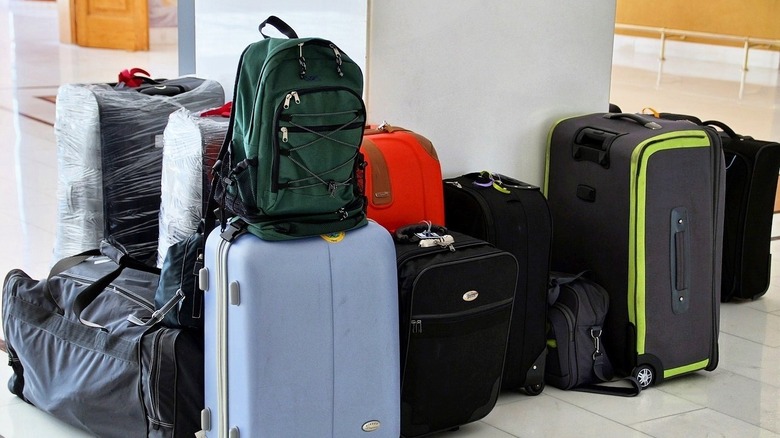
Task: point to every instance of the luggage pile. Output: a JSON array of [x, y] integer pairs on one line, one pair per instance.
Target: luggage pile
[[276, 267]]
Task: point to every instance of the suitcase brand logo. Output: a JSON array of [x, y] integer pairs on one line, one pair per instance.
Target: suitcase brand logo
[[470, 295], [371, 426], [334, 237]]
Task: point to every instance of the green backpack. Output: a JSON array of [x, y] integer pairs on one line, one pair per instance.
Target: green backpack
[[290, 165]]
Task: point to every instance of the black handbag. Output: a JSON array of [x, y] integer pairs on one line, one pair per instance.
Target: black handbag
[[577, 359], [178, 298]]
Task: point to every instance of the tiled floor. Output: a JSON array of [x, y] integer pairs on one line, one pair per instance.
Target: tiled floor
[[739, 399]]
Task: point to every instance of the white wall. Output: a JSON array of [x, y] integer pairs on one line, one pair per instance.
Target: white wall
[[224, 28], [484, 81]]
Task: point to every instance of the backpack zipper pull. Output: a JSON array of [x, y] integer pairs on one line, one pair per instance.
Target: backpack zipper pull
[[284, 135], [290, 96], [338, 59]]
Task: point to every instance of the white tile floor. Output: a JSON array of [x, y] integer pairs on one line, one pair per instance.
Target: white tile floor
[[739, 399]]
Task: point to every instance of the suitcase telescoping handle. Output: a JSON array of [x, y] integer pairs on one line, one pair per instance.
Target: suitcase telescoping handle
[[591, 144]]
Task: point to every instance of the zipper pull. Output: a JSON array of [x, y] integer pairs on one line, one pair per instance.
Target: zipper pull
[[338, 59], [284, 135], [301, 61], [290, 96], [455, 183]]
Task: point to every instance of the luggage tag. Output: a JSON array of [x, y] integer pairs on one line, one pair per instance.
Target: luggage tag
[[487, 179], [429, 238]]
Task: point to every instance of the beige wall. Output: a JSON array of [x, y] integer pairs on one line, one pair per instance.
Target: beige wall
[[753, 18]]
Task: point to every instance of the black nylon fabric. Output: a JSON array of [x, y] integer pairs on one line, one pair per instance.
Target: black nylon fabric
[[518, 222], [452, 346], [581, 306], [97, 374]]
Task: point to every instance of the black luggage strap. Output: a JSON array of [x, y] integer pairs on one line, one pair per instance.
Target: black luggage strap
[[234, 229], [603, 370], [91, 292]]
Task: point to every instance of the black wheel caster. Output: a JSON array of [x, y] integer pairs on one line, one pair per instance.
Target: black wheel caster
[[645, 375]]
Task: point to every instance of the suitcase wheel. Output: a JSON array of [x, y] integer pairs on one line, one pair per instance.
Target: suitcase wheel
[[534, 389], [645, 375]]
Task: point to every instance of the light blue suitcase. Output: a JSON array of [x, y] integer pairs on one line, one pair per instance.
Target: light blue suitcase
[[301, 336]]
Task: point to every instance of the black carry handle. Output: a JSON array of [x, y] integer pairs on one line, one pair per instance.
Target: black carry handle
[[62, 266], [409, 233], [638, 118], [280, 25], [91, 292], [723, 127]]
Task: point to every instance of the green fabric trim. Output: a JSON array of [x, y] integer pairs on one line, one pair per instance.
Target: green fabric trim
[[638, 194], [686, 369]]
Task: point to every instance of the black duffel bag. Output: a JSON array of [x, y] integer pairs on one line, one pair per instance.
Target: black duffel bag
[[76, 354]]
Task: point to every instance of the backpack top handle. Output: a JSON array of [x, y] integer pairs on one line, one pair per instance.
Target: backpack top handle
[[280, 25]]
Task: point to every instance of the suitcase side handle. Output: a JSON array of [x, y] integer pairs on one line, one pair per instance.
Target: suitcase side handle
[[638, 118], [680, 250]]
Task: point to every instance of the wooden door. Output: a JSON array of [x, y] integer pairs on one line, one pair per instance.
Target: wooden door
[[111, 24]]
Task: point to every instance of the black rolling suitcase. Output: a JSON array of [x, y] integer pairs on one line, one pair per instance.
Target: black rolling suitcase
[[751, 184], [639, 202], [455, 305], [513, 216]]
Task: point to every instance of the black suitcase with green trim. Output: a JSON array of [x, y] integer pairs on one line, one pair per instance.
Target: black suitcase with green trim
[[640, 203]]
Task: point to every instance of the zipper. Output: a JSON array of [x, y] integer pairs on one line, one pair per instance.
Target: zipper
[[424, 252], [572, 329], [319, 128], [125, 293], [154, 379], [464, 315], [361, 110]]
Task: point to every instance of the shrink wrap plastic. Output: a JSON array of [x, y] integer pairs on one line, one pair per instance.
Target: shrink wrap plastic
[[191, 144], [109, 147]]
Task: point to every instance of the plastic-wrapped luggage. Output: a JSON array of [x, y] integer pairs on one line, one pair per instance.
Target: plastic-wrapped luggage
[[109, 146], [191, 145]]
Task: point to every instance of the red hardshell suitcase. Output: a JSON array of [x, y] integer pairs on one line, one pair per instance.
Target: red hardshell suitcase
[[403, 177]]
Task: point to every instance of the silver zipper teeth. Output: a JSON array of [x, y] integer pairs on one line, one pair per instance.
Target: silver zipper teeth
[[130, 295]]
